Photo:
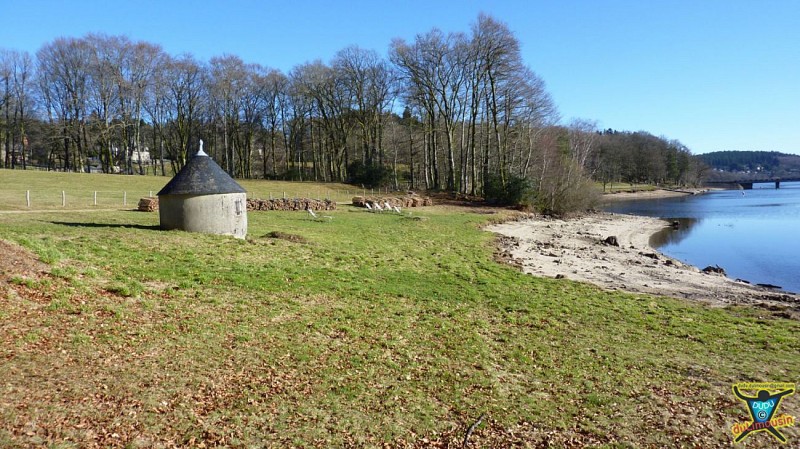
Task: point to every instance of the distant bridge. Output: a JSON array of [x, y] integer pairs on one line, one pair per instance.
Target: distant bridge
[[748, 183]]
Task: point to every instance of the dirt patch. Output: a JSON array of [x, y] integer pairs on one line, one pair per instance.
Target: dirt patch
[[17, 261], [457, 199], [294, 238]]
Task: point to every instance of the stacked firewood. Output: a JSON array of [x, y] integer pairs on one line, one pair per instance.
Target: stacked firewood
[[149, 204], [394, 201], [290, 204]]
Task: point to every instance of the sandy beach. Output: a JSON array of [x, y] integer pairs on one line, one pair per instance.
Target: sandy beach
[[575, 249], [650, 194]]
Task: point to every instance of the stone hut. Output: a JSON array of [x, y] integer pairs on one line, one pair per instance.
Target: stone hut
[[203, 198]]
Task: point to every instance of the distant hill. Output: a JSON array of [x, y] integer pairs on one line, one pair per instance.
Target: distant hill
[[751, 164]]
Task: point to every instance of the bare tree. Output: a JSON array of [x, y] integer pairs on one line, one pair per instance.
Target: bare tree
[[536, 113], [157, 111], [274, 99], [497, 51], [226, 86], [418, 93], [564, 180], [369, 81], [103, 96], [331, 103], [252, 107], [298, 112], [138, 75], [434, 70], [186, 101], [63, 68], [16, 102], [6, 103]]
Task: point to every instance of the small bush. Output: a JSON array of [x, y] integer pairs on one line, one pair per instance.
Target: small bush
[[516, 191], [369, 175], [562, 197]]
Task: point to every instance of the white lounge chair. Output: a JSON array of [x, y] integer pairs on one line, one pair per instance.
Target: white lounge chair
[[317, 217]]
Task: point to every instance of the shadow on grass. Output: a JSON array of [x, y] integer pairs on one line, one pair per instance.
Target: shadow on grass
[[107, 225]]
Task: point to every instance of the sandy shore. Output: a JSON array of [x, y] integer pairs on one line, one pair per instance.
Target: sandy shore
[[650, 194], [574, 249]]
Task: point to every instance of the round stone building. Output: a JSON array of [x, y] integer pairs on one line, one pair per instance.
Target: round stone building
[[203, 198]]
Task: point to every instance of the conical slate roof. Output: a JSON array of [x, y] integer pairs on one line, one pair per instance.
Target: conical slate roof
[[201, 176]]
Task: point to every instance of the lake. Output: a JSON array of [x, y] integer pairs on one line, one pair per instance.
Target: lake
[[754, 236]]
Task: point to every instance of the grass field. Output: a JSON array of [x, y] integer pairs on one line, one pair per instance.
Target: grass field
[[367, 330], [44, 190], [625, 187]]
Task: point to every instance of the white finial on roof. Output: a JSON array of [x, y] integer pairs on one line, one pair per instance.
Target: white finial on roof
[[200, 151]]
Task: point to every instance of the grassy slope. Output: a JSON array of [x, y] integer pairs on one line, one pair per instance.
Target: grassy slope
[[46, 187], [378, 328]]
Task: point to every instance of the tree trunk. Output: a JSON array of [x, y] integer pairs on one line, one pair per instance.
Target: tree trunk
[[411, 157]]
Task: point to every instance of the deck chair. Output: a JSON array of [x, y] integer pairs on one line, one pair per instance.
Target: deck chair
[[318, 217]]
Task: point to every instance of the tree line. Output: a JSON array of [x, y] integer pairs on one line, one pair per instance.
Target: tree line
[[743, 161], [459, 112], [642, 158], [753, 165]]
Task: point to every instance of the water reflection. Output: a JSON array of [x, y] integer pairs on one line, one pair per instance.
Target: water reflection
[[753, 236], [680, 229]]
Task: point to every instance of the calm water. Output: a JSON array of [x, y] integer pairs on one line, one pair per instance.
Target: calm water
[[755, 236]]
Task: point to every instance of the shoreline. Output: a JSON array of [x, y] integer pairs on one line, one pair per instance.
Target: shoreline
[[574, 249], [651, 194]]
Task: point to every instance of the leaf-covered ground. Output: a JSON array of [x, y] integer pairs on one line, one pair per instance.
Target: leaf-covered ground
[[368, 330]]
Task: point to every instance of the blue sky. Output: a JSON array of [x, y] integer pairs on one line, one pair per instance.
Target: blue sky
[[714, 74]]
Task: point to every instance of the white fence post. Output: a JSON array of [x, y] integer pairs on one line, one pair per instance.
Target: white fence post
[[95, 197], [28, 197], [124, 198], [63, 199]]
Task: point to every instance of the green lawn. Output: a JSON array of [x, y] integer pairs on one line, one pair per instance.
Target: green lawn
[[76, 191], [625, 187], [362, 331]]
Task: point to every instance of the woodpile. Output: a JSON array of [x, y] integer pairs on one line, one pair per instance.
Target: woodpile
[[149, 204], [290, 204], [394, 201]]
